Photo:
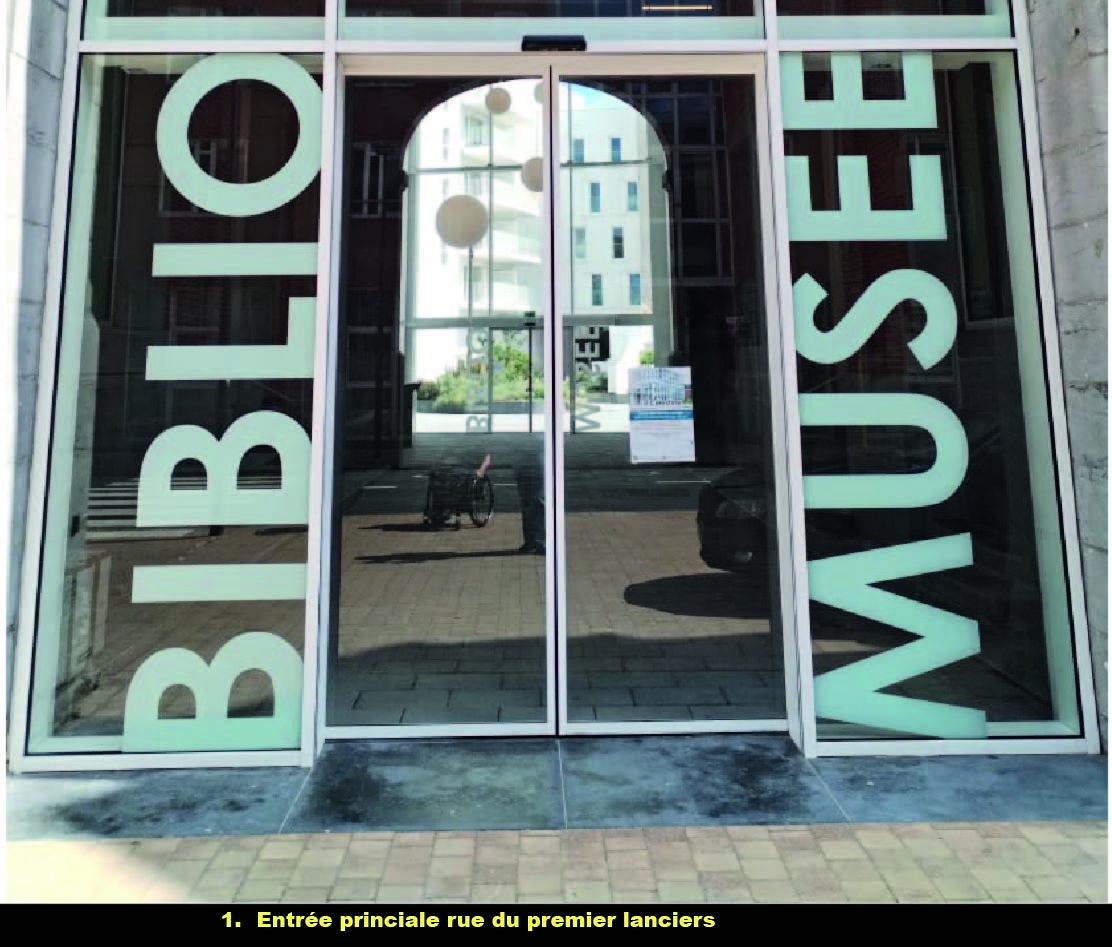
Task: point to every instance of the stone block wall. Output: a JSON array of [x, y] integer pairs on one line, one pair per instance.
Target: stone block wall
[[1069, 40], [35, 45]]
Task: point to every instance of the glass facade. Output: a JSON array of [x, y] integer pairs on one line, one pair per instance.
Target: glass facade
[[208, 8], [585, 470], [510, 20], [178, 21], [439, 619], [175, 544], [927, 461], [571, 9], [883, 7], [673, 602]]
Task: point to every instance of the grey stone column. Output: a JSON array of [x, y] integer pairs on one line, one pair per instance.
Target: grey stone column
[[34, 47], [1070, 46]]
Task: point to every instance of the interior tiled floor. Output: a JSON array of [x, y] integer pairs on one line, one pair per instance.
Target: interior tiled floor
[[447, 626]]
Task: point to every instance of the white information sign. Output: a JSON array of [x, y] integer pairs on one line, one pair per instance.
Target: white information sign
[[661, 419]]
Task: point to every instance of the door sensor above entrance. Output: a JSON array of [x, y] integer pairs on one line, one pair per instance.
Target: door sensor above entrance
[[553, 44]]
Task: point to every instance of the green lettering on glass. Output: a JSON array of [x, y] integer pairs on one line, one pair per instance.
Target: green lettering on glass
[[856, 220], [222, 197], [849, 108], [850, 693], [222, 501], [211, 684], [237, 362], [886, 491], [866, 315], [233, 582], [234, 259]]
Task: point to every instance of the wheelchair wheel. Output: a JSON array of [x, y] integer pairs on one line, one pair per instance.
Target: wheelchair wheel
[[482, 500]]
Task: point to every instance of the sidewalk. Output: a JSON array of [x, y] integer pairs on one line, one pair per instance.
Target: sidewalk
[[910, 862], [697, 818]]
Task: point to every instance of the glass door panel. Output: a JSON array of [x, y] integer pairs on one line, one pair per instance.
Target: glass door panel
[[444, 614], [439, 613], [671, 563]]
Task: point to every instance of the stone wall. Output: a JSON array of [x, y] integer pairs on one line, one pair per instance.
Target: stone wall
[[35, 39], [1070, 44]]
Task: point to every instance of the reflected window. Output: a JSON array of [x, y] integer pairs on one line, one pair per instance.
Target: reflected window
[[631, 196], [619, 244], [635, 289], [596, 289], [580, 243], [474, 130], [577, 151], [615, 149], [375, 188], [596, 197], [209, 154]]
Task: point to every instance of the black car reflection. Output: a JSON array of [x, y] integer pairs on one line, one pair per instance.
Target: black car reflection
[[735, 514], [733, 521]]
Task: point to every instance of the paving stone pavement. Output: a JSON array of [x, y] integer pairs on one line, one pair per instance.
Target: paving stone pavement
[[904, 862]]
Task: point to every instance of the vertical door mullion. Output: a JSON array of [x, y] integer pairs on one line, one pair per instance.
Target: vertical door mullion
[[779, 396], [555, 565], [327, 342], [796, 537]]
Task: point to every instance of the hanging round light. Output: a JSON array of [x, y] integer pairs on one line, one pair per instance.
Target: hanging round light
[[497, 100], [532, 174], [461, 221]]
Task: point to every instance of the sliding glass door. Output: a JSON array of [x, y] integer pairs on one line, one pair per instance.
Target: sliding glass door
[[555, 495], [670, 586]]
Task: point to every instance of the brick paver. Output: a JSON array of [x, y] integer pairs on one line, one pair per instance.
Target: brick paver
[[1021, 862]]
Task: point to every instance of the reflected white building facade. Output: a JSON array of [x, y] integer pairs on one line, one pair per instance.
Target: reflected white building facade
[[613, 207]]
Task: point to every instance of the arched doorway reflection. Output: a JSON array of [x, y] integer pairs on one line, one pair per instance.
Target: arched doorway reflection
[[475, 292]]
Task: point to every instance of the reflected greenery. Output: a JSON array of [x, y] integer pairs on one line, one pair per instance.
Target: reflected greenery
[[466, 383]]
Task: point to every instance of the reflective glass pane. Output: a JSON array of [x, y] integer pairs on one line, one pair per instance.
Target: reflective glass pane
[[174, 563], [456, 21], [213, 8], [672, 585], [883, 7], [201, 20], [939, 600], [892, 19], [549, 8], [440, 505]]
